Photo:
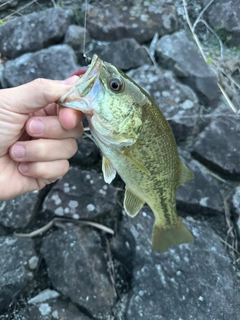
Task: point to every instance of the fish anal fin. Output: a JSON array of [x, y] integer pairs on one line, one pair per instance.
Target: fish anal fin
[[132, 203], [109, 173], [135, 161], [164, 238], [185, 174]]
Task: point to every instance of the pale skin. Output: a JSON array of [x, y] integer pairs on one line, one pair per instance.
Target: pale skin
[[37, 137]]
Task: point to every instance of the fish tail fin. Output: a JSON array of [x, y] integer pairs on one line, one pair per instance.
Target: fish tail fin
[[164, 238]]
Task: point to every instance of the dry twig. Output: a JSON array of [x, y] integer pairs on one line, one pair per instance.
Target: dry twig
[[54, 220], [217, 67]]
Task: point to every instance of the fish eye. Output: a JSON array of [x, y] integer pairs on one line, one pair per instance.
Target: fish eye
[[115, 84]]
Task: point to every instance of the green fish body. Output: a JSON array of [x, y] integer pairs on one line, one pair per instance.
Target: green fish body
[[137, 143]]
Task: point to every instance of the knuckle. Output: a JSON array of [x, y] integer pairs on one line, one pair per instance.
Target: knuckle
[[40, 149], [38, 169], [39, 82], [49, 170], [72, 146], [43, 85], [63, 169]]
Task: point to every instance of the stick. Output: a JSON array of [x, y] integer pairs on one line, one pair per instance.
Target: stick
[[54, 220]]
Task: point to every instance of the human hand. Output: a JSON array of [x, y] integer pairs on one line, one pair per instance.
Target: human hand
[[36, 136]]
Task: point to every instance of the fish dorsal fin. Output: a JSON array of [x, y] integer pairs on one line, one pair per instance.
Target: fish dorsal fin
[[109, 173], [135, 161], [132, 203], [185, 174]]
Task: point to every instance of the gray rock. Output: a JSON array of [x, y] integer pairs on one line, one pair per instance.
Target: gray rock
[[51, 310], [125, 53], [75, 36], [1, 72], [24, 8], [123, 247], [218, 147], [223, 16], [2, 231], [56, 62], [34, 31], [193, 281], [77, 268], [140, 21], [43, 296], [16, 213], [14, 272], [236, 206], [4, 4], [177, 102], [87, 154], [178, 53], [81, 194], [200, 195]]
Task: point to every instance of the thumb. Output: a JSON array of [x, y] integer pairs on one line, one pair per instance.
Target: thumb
[[36, 94]]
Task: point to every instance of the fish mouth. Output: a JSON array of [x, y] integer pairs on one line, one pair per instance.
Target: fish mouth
[[77, 98]]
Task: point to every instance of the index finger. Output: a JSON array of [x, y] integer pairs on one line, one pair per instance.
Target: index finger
[[35, 95]]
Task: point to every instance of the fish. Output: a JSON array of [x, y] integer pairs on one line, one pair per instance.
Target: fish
[[136, 142]]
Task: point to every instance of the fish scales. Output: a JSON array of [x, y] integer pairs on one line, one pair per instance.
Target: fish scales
[[137, 142]]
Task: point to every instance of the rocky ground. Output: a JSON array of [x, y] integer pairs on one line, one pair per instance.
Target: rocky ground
[[73, 271]]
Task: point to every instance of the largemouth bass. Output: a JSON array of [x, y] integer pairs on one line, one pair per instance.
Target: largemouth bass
[[137, 142]]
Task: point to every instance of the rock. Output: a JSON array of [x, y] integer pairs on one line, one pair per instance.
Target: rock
[[125, 53], [81, 194], [223, 16], [7, 4], [56, 62], [200, 195], [2, 231], [43, 296], [87, 154], [122, 247], [17, 213], [51, 310], [178, 53], [177, 102], [195, 281], [77, 268], [15, 254], [1, 72], [75, 37], [111, 22], [34, 31], [236, 206], [33, 263], [218, 147]]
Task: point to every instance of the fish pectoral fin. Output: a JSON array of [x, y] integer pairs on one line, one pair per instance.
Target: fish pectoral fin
[[185, 174], [109, 173], [132, 203], [137, 163], [164, 238]]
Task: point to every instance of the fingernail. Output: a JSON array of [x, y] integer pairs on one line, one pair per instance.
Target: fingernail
[[23, 168], [18, 151], [70, 81], [36, 126]]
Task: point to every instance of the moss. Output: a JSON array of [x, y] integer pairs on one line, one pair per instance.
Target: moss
[[209, 60]]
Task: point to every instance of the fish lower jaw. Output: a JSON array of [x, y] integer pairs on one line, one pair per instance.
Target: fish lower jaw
[[80, 105]]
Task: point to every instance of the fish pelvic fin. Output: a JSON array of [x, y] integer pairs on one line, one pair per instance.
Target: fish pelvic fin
[[185, 174], [109, 173], [164, 238], [132, 203]]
